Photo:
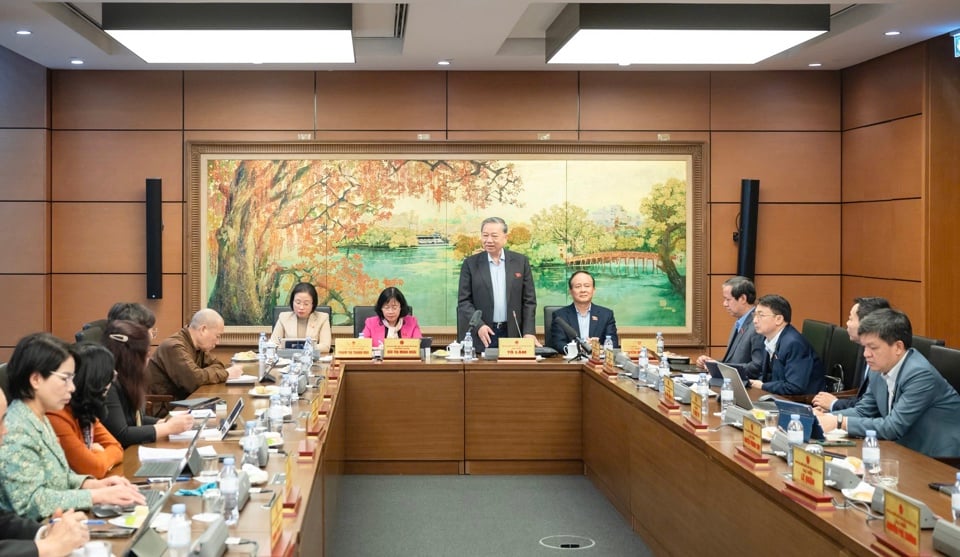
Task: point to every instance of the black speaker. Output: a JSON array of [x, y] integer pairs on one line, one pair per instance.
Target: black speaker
[[747, 233], [154, 221]]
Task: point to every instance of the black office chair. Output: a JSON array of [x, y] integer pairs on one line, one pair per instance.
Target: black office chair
[[91, 332], [841, 360], [548, 312], [360, 314], [923, 344], [818, 334], [947, 362], [277, 310]]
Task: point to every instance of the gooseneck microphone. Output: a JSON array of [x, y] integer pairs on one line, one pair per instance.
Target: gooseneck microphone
[[572, 334], [517, 322], [476, 319]]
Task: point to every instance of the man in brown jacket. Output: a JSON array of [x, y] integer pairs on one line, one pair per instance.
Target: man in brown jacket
[[182, 362]]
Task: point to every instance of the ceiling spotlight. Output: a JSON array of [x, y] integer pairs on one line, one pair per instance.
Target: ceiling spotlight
[[76, 61], [443, 63], [623, 64], [680, 33], [892, 33], [222, 33], [24, 32], [814, 64]]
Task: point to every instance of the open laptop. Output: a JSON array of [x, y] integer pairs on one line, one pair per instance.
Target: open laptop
[[231, 419], [740, 396], [172, 468], [293, 343], [147, 542]]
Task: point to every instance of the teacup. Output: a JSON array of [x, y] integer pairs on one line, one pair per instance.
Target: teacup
[[571, 350], [453, 350]]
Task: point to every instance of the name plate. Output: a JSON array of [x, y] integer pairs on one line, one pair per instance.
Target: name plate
[[276, 521], [753, 437], [808, 470], [697, 407], [353, 349], [401, 349], [315, 407], [609, 362], [632, 347], [901, 521], [517, 349], [668, 389]]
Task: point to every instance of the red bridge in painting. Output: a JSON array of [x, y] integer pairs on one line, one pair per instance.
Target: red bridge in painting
[[635, 261]]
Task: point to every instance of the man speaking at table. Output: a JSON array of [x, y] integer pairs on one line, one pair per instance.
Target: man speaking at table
[[499, 283]]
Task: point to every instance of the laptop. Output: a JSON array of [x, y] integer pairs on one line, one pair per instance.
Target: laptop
[[293, 343], [740, 396], [172, 468], [231, 419], [147, 542], [811, 425]]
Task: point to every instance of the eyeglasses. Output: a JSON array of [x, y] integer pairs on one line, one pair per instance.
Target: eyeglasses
[[391, 307], [302, 304], [758, 315], [67, 377]]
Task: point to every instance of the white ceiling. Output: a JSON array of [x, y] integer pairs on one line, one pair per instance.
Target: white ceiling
[[474, 34]]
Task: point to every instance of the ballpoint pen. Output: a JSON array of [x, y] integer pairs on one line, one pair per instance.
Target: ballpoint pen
[[88, 522]]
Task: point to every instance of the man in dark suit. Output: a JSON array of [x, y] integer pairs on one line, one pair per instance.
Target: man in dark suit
[[793, 367], [745, 347], [907, 400], [862, 307], [499, 283], [590, 320]]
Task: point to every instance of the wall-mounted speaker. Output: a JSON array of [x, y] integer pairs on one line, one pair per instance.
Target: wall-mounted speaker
[[154, 222], [747, 234]]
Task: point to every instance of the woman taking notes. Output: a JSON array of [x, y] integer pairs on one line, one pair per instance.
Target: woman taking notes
[[303, 321], [89, 447], [35, 479], [393, 318]]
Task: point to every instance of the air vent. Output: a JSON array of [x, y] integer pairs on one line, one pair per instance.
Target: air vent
[[400, 20]]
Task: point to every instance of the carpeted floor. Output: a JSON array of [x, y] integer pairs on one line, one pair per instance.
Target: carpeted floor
[[466, 516]]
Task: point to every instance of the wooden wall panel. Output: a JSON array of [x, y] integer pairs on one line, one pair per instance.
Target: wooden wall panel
[[111, 238], [113, 165], [644, 100], [23, 158], [720, 322], [381, 100], [82, 298], [903, 295], [246, 101], [791, 166], [885, 161], [23, 88], [810, 297], [255, 136], [115, 100], [510, 136], [791, 238], [25, 249], [539, 101], [788, 101], [884, 88], [25, 307], [676, 136], [943, 202], [883, 239]]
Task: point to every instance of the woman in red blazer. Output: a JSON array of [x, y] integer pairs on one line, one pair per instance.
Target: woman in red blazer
[[89, 447], [393, 318]]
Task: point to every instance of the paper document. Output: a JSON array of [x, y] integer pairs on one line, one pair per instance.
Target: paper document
[[152, 453], [243, 380]]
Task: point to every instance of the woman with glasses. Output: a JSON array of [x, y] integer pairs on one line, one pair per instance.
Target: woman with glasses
[[303, 321], [393, 318], [126, 419], [35, 479], [89, 447]]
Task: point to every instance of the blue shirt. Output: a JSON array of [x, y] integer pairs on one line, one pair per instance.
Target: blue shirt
[[583, 322], [498, 278]]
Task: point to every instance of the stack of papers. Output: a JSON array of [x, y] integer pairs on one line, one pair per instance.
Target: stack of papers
[[243, 380]]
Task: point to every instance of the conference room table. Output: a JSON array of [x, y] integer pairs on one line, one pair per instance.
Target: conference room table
[[682, 491]]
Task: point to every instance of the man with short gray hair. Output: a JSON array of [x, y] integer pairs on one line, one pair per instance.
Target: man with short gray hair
[[182, 362]]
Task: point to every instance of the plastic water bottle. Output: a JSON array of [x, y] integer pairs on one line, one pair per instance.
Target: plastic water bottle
[[306, 358], [644, 362], [276, 412], [794, 436], [871, 458], [360, 335], [230, 489], [607, 345], [955, 499], [260, 345], [659, 345], [703, 387], [726, 398], [662, 371], [251, 444], [178, 532], [468, 353], [378, 351]]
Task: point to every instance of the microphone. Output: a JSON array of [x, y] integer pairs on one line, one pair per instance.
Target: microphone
[[572, 334], [517, 321], [476, 319]]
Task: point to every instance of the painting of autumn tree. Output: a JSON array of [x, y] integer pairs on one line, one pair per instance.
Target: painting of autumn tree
[[272, 223]]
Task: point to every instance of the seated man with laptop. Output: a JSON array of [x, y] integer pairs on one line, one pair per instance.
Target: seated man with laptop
[[745, 346], [792, 366]]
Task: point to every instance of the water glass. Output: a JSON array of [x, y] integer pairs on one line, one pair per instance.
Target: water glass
[[889, 473], [213, 501]]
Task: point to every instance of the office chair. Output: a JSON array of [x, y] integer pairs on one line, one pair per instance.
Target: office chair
[[360, 314], [548, 312], [923, 344], [947, 362], [841, 360], [277, 310], [818, 334]]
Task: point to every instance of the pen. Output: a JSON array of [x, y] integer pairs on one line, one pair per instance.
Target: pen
[[89, 522]]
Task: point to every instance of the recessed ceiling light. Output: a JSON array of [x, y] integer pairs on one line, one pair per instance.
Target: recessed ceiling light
[[443, 63], [24, 32], [892, 33], [814, 64], [623, 64], [76, 61]]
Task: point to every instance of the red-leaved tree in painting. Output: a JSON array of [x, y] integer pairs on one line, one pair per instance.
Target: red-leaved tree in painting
[[272, 223]]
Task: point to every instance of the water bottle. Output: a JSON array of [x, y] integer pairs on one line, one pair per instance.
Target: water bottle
[[230, 489], [260, 345], [607, 345], [659, 345], [360, 335], [955, 499], [726, 398], [662, 371], [378, 351], [251, 444], [276, 412], [292, 381], [285, 394], [178, 532], [871, 458], [306, 358], [703, 387], [468, 347], [794, 436]]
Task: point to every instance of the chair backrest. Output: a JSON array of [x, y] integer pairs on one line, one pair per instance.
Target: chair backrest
[[947, 362], [548, 321], [91, 332], [818, 334], [4, 381], [360, 314], [842, 358], [923, 344], [277, 310]]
